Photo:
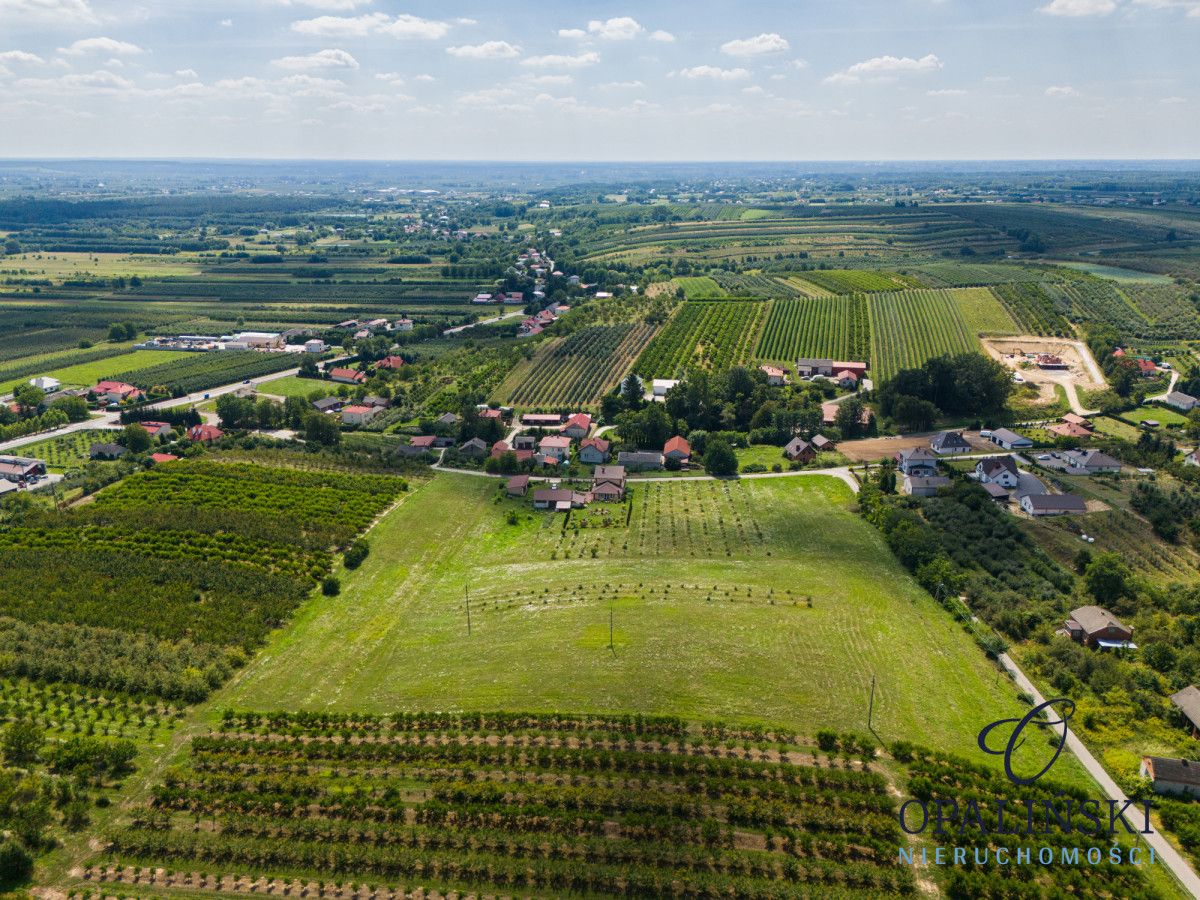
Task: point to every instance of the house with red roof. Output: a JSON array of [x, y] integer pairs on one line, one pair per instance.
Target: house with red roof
[[555, 446], [347, 376], [159, 458], [205, 434], [390, 362], [846, 378], [157, 428], [594, 451], [359, 414], [117, 392], [1146, 367], [677, 449], [578, 426]]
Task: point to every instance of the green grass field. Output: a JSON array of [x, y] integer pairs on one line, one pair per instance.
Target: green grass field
[[87, 374], [294, 386], [707, 586], [700, 287]]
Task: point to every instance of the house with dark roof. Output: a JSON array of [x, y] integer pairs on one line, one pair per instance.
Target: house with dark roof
[[924, 485], [635, 460], [947, 442], [475, 448], [1053, 504], [517, 486], [328, 404], [558, 499], [799, 450], [1089, 462], [1187, 702], [20, 469], [919, 461], [1001, 470], [821, 443], [608, 483], [1177, 777], [995, 491], [1095, 626]]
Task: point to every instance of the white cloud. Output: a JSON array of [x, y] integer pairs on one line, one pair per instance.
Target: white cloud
[[20, 56], [547, 80], [486, 50], [561, 61], [322, 59], [1192, 6], [799, 64], [393, 78], [53, 12], [1061, 90], [1172, 101], [1078, 8], [99, 81], [101, 45], [622, 28], [186, 73], [331, 5], [664, 37], [425, 79], [402, 26], [714, 72], [754, 90], [760, 45], [574, 34], [622, 85], [226, 23], [884, 67], [946, 92], [486, 97], [466, 21]]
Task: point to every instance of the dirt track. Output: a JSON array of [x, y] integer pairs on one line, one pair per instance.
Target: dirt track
[[1081, 372]]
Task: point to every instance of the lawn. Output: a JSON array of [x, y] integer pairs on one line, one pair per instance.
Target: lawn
[[295, 386], [1160, 414], [87, 374], [708, 588], [60, 265]]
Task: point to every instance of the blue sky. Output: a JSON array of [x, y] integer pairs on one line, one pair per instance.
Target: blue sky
[[791, 80]]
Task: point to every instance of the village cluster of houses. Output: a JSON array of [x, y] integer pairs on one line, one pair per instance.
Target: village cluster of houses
[[538, 323], [200, 434]]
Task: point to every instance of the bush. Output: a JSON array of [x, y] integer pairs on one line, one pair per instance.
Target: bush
[[827, 740], [355, 554], [16, 865], [331, 587]]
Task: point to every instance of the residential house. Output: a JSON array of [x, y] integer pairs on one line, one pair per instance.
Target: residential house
[[555, 446], [160, 458], [21, 469], [857, 369], [635, 460], [205, 434], [424, 441], [1146, 367], [1069, 430], [106, 451], [359, 414], [346, 376], [558, 499], [1075, 419], [475, 448], [328, 404], [46, 383], [578, 426], [677, 449], [821, 443], [828, 413], [775, 377], [447, 420], [594, 451], [919, 461], [117, 392], [517, 486], [377, 402], [608, 483], [947, 442], [1181, 401], [316, 345], [1177, 777], [847, 379], [1095, 626], [800, 450], [391, 363], [1010, 440], [924, 485], [1187, 702], [158, 429], [490, 413], [1000, 470], [1090, 462], [1052, 504]]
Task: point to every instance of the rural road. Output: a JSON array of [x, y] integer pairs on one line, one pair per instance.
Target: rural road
[[1170, 387], [491, 321], [1169, 856]]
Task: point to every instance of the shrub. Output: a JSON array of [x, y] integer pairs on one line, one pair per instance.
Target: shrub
[[331, 587], [355, 554]]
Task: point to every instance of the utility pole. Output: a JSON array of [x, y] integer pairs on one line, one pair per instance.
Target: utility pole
[[467, 594]]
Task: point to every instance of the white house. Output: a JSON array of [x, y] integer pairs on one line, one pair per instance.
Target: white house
[[1052, 504], [1001, 470], [45, 382]]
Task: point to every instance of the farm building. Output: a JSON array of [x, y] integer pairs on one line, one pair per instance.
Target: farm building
[[328, 404], [578, 426], [524, 442], [517, 486], [1094, 626], [635, 460], [1187, 702], [346, 376], [1010, 440], [558, 499], [995, 491], [1180, 777], [20, 469], [358, 414], [775, 377], [1001, 470], [205, 434], [946, 442], [924, 485], [660, 386], [800, 450], [594, 451], [1052, 504], [677, 449], [1181, 401], [447, 420], [919, 461], [542, 420]]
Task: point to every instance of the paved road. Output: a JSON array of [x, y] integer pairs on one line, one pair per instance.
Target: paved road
[[512, 315], [1166, 853]]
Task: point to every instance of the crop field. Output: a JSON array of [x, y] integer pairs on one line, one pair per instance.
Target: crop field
[[65, 266], [982, 312], [187, 373], [910, 327], [1094, 300], [488, 804], [162, 585], [853, 281], [973, 274], [66, 452], [15, 371], [581, 369], [1032, 309], [700, 287], [88, 373], [754, 286], [1167, 306], [706, 336], [828, 327], [708, 584]]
